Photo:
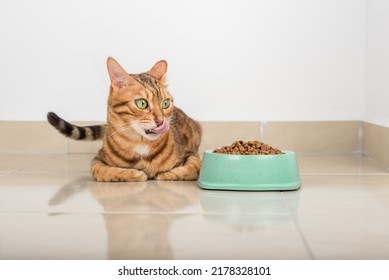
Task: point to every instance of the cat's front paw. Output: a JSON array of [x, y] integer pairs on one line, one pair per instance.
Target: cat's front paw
[[178, 174], [114, 174], [167, 176], [136, 176]]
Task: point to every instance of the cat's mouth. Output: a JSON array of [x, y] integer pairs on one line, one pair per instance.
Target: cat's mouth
[[148, 131], [162, 128]]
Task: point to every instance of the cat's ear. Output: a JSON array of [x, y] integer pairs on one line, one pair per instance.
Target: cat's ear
[[159, 69], [119, 77]]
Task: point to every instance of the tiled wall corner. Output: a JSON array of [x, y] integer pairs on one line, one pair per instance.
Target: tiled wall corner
[[30, 136], [375, 143], [313, 136]]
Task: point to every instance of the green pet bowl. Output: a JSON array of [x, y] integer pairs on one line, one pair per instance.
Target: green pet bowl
[[249, 172]]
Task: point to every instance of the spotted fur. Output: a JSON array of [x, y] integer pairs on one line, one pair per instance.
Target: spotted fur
[[136, 145]]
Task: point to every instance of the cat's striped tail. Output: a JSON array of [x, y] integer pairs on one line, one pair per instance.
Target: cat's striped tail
[[93, 132]]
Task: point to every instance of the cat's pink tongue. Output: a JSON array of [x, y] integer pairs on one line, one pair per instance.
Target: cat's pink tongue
[[164, 127]]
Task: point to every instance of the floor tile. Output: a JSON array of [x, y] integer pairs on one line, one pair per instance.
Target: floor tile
[[343, 217], [13, 162], [347, 236], [341, 194], [40, 192], [237, 237], [42, 236], [64, 163], [148, 236], [338, 164]]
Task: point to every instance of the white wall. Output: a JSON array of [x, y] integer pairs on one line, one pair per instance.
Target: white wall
[[377, 63], [228, 60]]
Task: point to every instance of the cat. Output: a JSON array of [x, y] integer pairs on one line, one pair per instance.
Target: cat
[[146, 136]]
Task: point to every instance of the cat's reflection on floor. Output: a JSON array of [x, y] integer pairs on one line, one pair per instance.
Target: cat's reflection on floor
[[137, 215]]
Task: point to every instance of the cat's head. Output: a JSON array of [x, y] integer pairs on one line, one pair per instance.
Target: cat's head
[[141, 100]]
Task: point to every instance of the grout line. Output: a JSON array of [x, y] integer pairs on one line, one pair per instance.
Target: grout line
[[300, 231], [52, 211], [7, 173], [17, 152], [327, 154], [344, 174], [360, 138], [55, 172], [376, 162], [17, 170], [262, 131]]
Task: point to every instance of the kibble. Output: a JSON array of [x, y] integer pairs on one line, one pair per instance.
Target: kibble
[[248, 148]]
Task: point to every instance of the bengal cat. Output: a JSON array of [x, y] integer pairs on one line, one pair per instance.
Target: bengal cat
[[146, 136]]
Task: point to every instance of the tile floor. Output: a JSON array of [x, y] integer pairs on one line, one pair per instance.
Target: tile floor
[[51, 208]]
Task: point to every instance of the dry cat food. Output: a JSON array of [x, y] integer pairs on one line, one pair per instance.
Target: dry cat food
[[248, 148]]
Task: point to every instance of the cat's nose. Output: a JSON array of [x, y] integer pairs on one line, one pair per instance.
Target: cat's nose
[[158, 121]]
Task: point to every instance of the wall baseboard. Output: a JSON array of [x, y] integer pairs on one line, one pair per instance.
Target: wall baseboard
[[375, 143], [300, 136]]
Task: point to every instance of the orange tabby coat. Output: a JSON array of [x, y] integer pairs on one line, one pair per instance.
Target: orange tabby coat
[[145, 135]]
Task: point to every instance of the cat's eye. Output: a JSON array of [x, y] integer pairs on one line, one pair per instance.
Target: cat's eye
[[141, 103], [166, 104]]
